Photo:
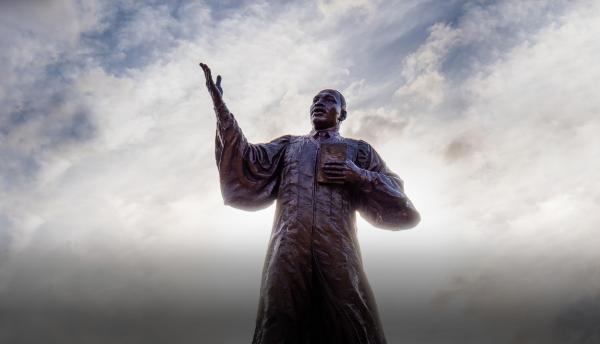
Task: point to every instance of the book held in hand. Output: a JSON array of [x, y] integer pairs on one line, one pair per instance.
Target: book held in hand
[[330, 152]]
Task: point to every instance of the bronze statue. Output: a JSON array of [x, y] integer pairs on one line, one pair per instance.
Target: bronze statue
[[314, 289]]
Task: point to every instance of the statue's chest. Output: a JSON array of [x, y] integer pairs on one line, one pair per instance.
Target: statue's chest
[[301, 196], [301, 159]]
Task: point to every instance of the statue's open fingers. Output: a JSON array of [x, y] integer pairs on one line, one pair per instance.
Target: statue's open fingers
[[337, 165], [336, 178], [209, 79], [219, 84], [207, 74], [333, 170], [204, 68], [330, 174]]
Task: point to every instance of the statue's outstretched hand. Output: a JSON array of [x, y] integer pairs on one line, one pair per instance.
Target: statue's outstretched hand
[[215, 90]]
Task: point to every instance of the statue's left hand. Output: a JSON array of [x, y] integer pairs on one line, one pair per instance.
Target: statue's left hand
[[345, 171]]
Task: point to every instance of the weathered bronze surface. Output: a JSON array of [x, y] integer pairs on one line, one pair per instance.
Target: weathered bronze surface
[[314, 289]]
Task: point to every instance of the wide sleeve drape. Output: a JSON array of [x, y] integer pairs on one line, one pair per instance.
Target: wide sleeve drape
[[248, 173], [380, 195]]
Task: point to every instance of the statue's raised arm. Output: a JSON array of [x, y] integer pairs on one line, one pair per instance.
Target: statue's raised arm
[[248, 173]]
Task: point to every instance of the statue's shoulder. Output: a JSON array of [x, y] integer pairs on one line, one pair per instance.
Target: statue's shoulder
[[286, 139], [296, 138], [358, 143], [290, 139]]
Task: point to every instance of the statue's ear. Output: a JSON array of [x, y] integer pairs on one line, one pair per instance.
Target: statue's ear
[[343, 115]]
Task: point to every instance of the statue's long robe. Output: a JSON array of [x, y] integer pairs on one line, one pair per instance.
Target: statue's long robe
[[314, 289]]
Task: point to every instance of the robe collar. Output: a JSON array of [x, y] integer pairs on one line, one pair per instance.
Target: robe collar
[[325, 133]]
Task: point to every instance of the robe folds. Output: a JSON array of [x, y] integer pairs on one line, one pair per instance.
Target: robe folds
[[313, 288]]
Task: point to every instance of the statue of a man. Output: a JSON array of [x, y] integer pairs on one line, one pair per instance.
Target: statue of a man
[[314, 289]]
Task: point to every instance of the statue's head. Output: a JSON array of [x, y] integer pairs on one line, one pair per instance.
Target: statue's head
[[328, 109]]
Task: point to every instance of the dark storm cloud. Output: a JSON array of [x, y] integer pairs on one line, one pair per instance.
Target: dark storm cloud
[[6, 238], [580, 321], [127, 299], [151, 323]]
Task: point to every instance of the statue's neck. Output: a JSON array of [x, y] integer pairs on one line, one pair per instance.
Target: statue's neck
[[335, 128]]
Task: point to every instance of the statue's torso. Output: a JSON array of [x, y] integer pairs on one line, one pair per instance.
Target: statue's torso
[[302, 199]]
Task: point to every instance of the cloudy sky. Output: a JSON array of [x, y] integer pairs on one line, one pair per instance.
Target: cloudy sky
[[112, 226]]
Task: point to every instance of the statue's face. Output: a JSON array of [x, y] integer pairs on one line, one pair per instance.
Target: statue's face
[[326, 109]]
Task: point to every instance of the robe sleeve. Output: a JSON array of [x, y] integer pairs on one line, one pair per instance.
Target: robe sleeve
[[248, 173], [381, 198]]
